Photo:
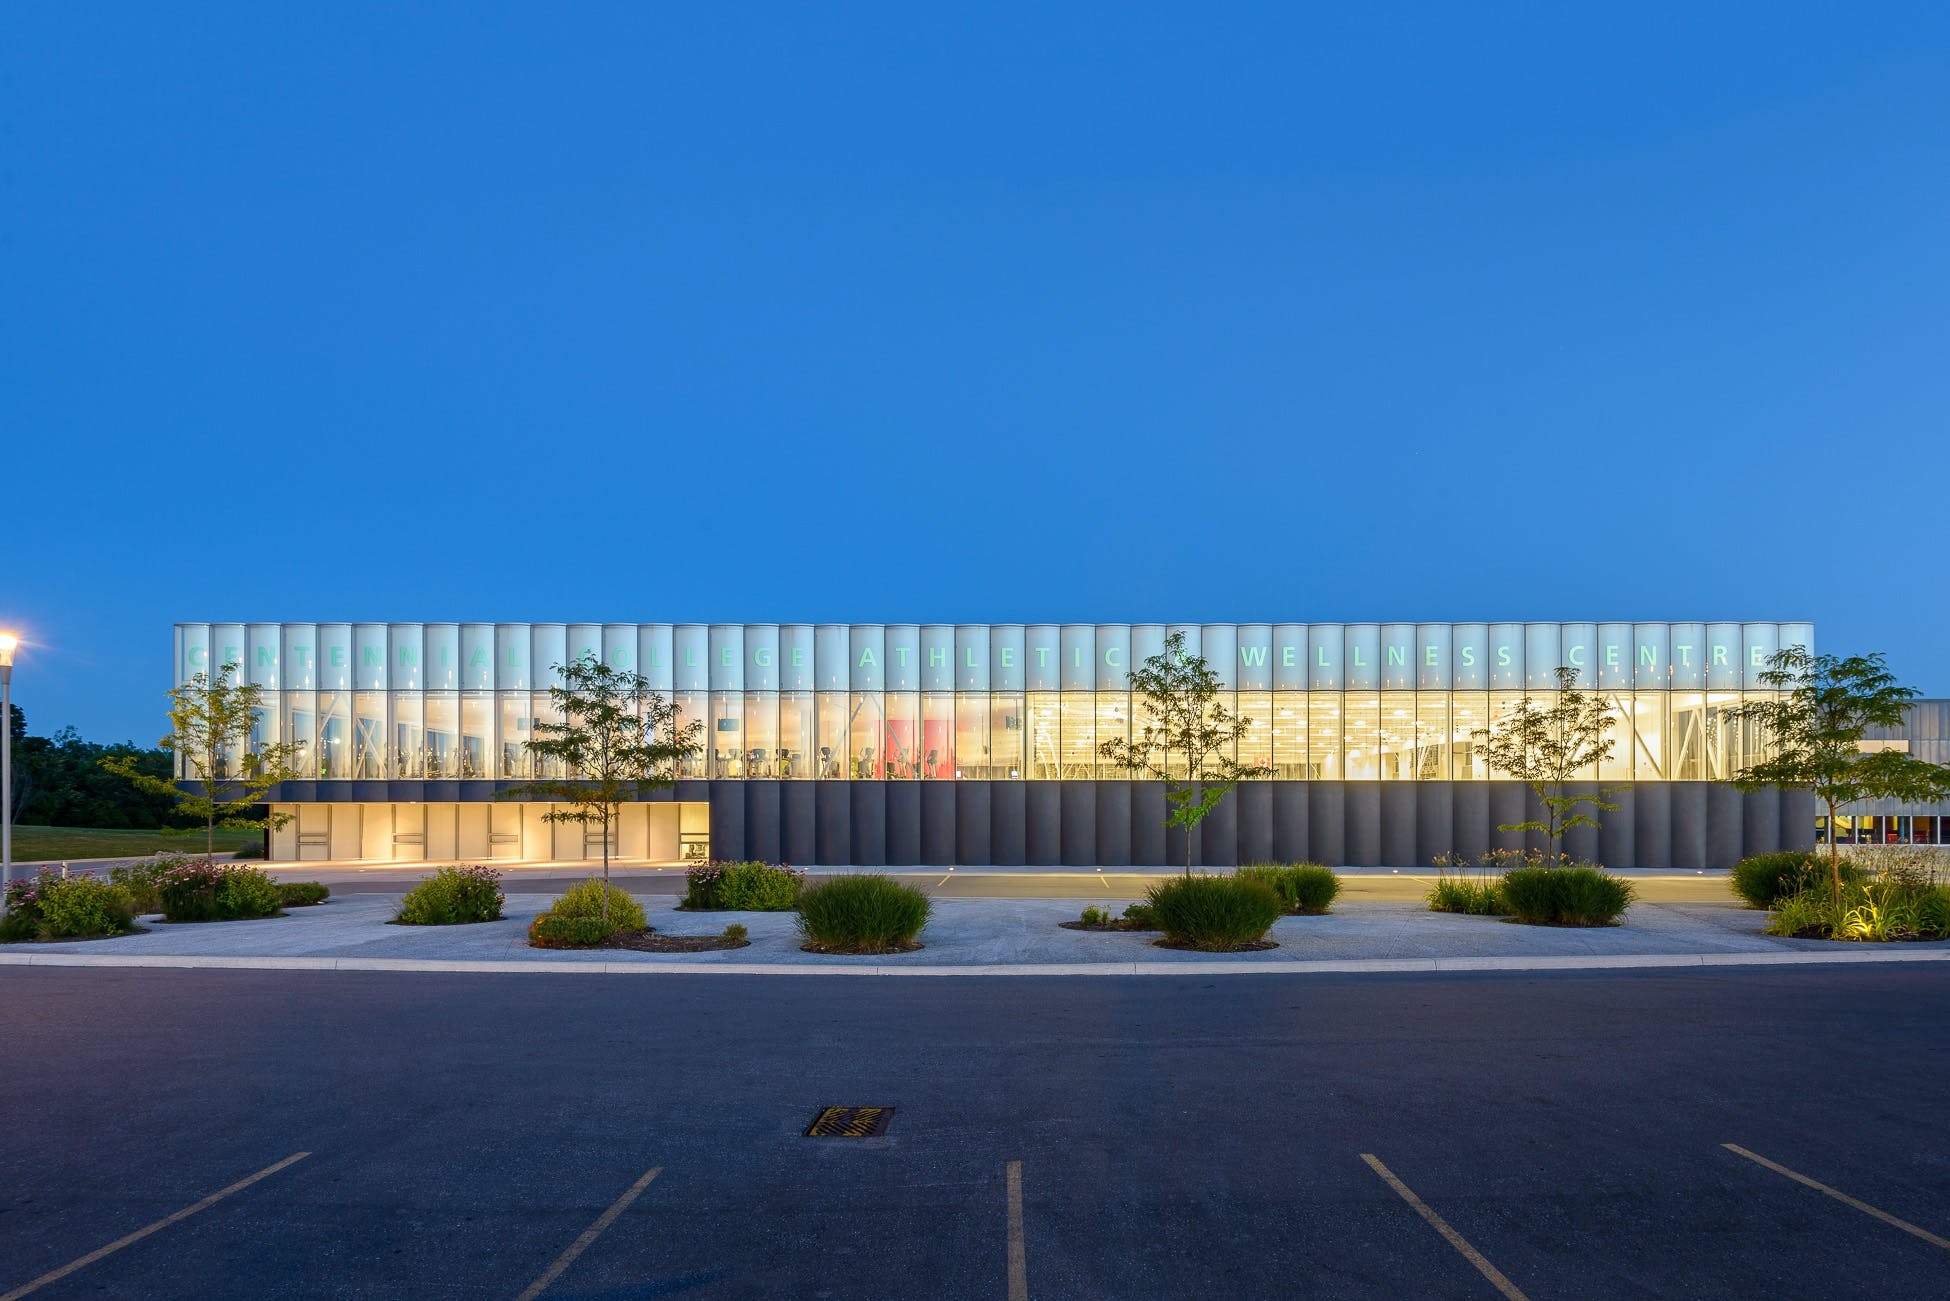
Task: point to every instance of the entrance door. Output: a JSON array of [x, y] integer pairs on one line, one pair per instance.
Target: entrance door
[[504, 831], [314, 832]]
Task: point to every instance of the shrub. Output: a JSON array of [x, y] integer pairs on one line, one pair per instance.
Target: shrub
[[202, 890], [253, 850], [863, 913], [552, 932], [1094, 917], [1305, 888], [301, 894], [1763, 878], [1214, 913], [735, 933], [142, 879], [742, 887], [1140, 914], [585, 899], [1573, 895], [453, 896], [51, 907]]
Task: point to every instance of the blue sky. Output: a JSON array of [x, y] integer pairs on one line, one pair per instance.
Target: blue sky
[[1036, 313]]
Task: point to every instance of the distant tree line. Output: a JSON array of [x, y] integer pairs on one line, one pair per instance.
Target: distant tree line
[[59, 781]]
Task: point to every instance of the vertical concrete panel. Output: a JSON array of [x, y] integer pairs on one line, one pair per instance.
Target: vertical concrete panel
[[1726, 825], [868, 830], [1398, 828], [762, 820], [1799, 809], [1008, 823], [1533, 811], [1289, 821], [1761, 822], [833, 823], [1044, 810], [1652, 824], [1617, 845], [1584, 842], [1218, 835], [1435, 812], [1689, 819], [1472, 821], [798, 822], [1077, 827], [1255, 821], [938, 822], [727, 819], [1362, 819], [1508, 803], [1327, 830], [972, 823], [1148, 824], [903, 824], [1114, 823]]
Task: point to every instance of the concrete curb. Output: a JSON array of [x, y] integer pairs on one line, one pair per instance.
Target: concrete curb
[[1217, 966]]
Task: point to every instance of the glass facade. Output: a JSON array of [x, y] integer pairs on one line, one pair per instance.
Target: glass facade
[[1007, 702]]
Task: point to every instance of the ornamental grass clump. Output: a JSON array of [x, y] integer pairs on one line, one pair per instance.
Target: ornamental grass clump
[[742, 887], [52, 907], [1214, 914], [302, 894], [579, 920], [1305, 889], [1568, 894], [454, 896], [862, 913], [1466, 885], [204, 890], [1764, 878], [1899, 903]]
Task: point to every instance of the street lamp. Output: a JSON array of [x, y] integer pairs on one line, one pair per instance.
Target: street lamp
[[7, 643]]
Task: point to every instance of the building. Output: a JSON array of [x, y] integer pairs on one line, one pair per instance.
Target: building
[[976, 744]]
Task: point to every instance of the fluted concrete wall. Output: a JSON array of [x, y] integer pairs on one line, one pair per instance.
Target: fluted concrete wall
[[1677, 825]]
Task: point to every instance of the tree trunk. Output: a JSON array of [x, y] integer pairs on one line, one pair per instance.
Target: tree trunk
[[605, 864], [1834, 855]]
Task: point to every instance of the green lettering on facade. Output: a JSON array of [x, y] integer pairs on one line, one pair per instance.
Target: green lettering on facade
[[1286, 657], [479, 659], [1469, 657], [372, 658], [1685, 654], [726, 659], [1646, 657], [798, 657], [1719, 657], [1503, 657], [1572, 655], [867, 661], [1108, 661], [409, 657], [762, 657], [338, 657], [1755, 658], [937, 658], [1359, 663], [968, 657], [902, 652], [1611, 657], [1253, 657], [1398, 656], [1042, 657], [1008, 658], [1428, 656], [1321, 654], [266, 657]]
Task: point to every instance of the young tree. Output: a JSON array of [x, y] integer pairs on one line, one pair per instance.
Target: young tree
[[1548, 747], [1814, 732], [617, 739], [1187, 723], [211, 722]]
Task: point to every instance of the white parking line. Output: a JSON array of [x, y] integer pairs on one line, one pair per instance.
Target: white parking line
[[1018, 1259], [589, 1235], [1842, 1197], [55, 1275], [1440, 1225]]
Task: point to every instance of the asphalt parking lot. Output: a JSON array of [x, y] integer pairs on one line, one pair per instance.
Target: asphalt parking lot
[[481, 1136]]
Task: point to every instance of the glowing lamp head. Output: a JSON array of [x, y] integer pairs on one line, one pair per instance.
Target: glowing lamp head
[[7, 643]]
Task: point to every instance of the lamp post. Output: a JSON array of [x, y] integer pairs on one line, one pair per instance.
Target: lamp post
[[7, 643]]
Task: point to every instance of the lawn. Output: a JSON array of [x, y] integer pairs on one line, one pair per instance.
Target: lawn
[[33, 844]]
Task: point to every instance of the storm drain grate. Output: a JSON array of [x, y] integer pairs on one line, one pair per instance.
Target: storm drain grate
[[850, 1122]]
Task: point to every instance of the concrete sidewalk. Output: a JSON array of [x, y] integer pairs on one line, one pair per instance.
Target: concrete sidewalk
[[975, 937]]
